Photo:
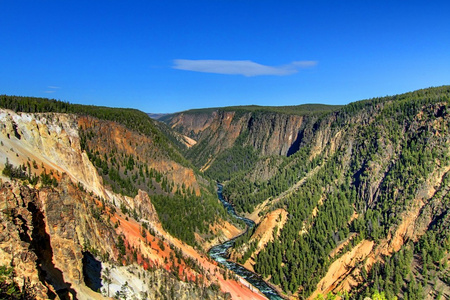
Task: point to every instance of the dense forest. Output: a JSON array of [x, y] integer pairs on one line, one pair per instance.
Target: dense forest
[[303, 109], [391, 147], [354, 175]]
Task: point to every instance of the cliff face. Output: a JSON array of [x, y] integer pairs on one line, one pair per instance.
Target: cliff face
[[47, 233], [51, 141], [268, 133], [49, 225], [58, 213], [17, 229]]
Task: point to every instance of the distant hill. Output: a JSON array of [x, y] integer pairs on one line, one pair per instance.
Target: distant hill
[[229, 139], [155, 116]]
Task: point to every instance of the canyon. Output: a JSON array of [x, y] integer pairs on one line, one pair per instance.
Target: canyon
[[336, 193]]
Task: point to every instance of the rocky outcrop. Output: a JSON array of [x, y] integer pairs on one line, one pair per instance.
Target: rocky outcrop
[[17, 229], [51, 141], [42, 237], [134, 282], [144, 206]]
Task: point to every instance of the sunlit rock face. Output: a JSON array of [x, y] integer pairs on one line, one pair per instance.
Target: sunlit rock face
[[47, 229], [52, 141], [270, 133]]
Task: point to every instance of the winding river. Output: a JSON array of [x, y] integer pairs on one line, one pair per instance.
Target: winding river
[[219, 254]]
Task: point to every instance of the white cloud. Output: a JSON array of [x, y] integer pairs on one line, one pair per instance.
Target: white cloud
[[240, 67], [53, 87], [49, 92]]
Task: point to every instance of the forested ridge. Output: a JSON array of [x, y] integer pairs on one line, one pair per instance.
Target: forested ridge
[[385, 151], [293, 109], [354, 175]]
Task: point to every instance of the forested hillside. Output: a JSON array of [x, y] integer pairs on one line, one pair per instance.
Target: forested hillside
[[364, 186]]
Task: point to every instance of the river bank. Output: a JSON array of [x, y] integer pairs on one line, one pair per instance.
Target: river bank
[[220, 254]]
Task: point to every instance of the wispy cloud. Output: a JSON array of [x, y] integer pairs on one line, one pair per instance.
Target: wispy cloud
[[240, 67], [52, 89]]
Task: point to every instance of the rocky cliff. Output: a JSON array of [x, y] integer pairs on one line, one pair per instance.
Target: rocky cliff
[[66, 235], [48, 141], [47, 233], [268, 132]]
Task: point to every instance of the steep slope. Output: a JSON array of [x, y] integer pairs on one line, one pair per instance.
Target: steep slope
[[49, 231], [382, 162], [230, 139], [366, 182], [130, 153], [54, 197]]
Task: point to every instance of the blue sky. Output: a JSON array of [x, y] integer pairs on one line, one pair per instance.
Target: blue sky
[[167, 56]]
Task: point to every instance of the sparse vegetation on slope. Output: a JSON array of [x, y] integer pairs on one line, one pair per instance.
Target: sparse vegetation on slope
[[132, 119], [131, 154]]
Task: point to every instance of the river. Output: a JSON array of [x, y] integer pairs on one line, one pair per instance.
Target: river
[[219, 254]]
